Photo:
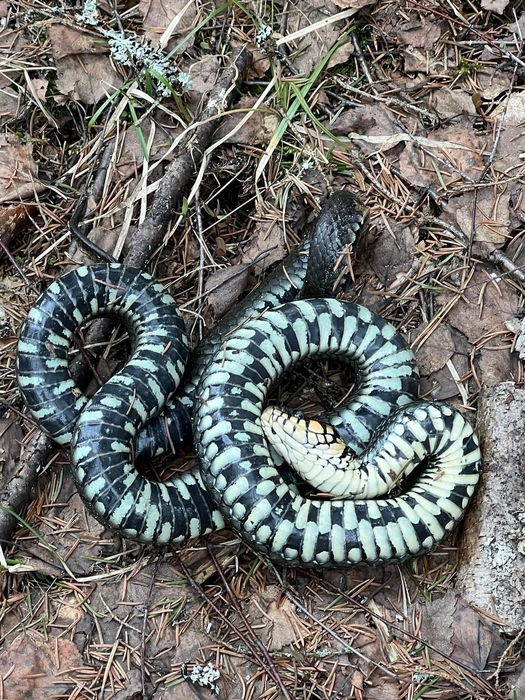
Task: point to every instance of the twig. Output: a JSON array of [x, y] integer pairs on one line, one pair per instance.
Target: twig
[[363, 63], [496, 46], [144, 624], [16, 492], [499, 258], [202, 244], [481, 682], [275, 675], [489, 162], [17, 267], [148, 237], [258, 659]]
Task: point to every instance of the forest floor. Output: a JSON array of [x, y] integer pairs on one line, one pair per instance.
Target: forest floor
[[415, 107]]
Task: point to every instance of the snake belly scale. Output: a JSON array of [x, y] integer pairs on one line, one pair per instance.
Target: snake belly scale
[[238, 483]]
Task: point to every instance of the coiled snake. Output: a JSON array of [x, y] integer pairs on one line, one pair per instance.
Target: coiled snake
[[238, 481]]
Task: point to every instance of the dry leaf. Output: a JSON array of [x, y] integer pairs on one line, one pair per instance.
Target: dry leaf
[[386, 689], [204, 75], [458, 630], [9, 103], [472, 637], [13, 220], [456, 144], [493, 81], [481, 312], [158, 14], [71, 532], [422, 34], [84, 69], [11, 437], [482, 308], [490, 213], [18, 170], [441, 383], [258, 129], [370, 120], [284, 627], [449, 104], [358, 4], [225, 286], [37, 667], [314, 45], [392, 254], [434, 350], [133, 147], [267, 238]]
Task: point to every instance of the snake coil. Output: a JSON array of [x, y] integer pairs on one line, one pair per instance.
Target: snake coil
[[238, 483]]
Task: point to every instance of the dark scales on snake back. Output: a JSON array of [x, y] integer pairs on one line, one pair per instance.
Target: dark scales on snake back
[[225, 386]]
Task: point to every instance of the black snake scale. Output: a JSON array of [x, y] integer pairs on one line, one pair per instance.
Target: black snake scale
[[238, 480], [307, 271], [271, 516]]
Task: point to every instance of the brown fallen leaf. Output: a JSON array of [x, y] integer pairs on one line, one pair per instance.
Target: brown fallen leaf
[[497, 6], [11, 437], [449, 104], [133, 147], [158, 14], [473, 637], [459, 631], [280, 622], [73, 534], [9, 102], [386, 689], [268, 242], [493, 81], [13, 220], [38, 667], [358, 4], [284, 630], [18, 170], [225, 286], [421, 34], [480, 314], [453, 356], [432, 351], [489, 212], [392, 254], [84, 69], [313, 46], [511, 143], [203, 75], [13, 42], [259, 128], [370, 119], [418, 168]]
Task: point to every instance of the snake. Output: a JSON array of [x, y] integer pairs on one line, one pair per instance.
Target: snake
[[238, 483]]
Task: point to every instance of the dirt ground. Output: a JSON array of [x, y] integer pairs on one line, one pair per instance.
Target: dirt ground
[[415, 107]]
